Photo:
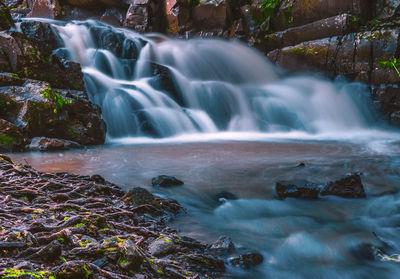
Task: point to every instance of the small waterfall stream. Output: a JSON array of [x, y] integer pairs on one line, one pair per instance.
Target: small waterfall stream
[[152, 86], [160, 89]]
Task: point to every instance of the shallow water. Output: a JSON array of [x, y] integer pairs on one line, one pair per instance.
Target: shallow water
[[299, 239]]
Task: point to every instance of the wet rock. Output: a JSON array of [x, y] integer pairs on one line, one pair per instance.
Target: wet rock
[[6, 21], [306, 11], [97, 178], [348, 187], [297, 189], [42, 111], [77, 13], [247, 260], [137, 18], [210, 16], [42, 32], [133, 258], [165, 181], [162, 246], [387, 99], [387, 8], [223, 243], [301, 165], [177, 15], [325, 28], [138, 196], [45, 8], [51, 144], [28, 58], [11, 136], [113, 16], [355, 55]]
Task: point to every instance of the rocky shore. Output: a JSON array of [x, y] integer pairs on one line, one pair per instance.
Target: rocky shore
[[68, 226]]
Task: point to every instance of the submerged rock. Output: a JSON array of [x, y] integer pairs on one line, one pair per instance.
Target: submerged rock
[[223, 196], [297, 189], [223, 243], [51, 144], [348, 187], [165, 181], [247, 260]]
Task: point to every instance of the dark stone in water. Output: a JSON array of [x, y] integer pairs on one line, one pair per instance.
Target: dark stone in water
[[247, 260], [166, 180], [223, 196], [348, 187], [297, 189], [301, 165], [223, 243]]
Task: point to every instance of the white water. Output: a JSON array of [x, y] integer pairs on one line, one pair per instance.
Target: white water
[[206, 86]]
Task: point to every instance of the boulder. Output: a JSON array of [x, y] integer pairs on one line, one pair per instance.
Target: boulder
[[165, 181], [41, 32], [11, 136], [113, 16], [42, 111], [6, 21], [348, 187], [28, 58], [78, 13], [247, 260], [387, 8], [302, 12], [297, 189], [177, 15], [387, 100], [328, 27], [96, 4], [162, 246], [51, 144], [223, 243], [137, 18], [45, 8], [210, 16], [355, 55]]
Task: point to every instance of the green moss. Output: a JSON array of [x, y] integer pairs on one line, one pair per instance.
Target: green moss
[[51, 95], [13, 272], [7, 140]]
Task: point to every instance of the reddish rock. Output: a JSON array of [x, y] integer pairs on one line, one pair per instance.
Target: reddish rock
[[113, 16], [137, 18], [348, 187], [209, 16], [297, 189], [45, 8]]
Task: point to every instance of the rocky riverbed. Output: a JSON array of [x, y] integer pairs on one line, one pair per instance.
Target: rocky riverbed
[[69, 226]]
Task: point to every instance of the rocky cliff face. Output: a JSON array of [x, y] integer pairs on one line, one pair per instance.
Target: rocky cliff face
[[42, 95]]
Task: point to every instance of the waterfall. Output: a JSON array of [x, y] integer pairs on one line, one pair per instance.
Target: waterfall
[[154, 86]]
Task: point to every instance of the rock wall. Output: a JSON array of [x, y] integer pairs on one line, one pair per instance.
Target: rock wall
[[42, 95]]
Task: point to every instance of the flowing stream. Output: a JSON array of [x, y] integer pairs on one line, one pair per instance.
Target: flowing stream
[[220, 117]]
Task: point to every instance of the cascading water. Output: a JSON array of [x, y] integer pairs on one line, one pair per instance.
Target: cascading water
[[152, 86], [159, 87]]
